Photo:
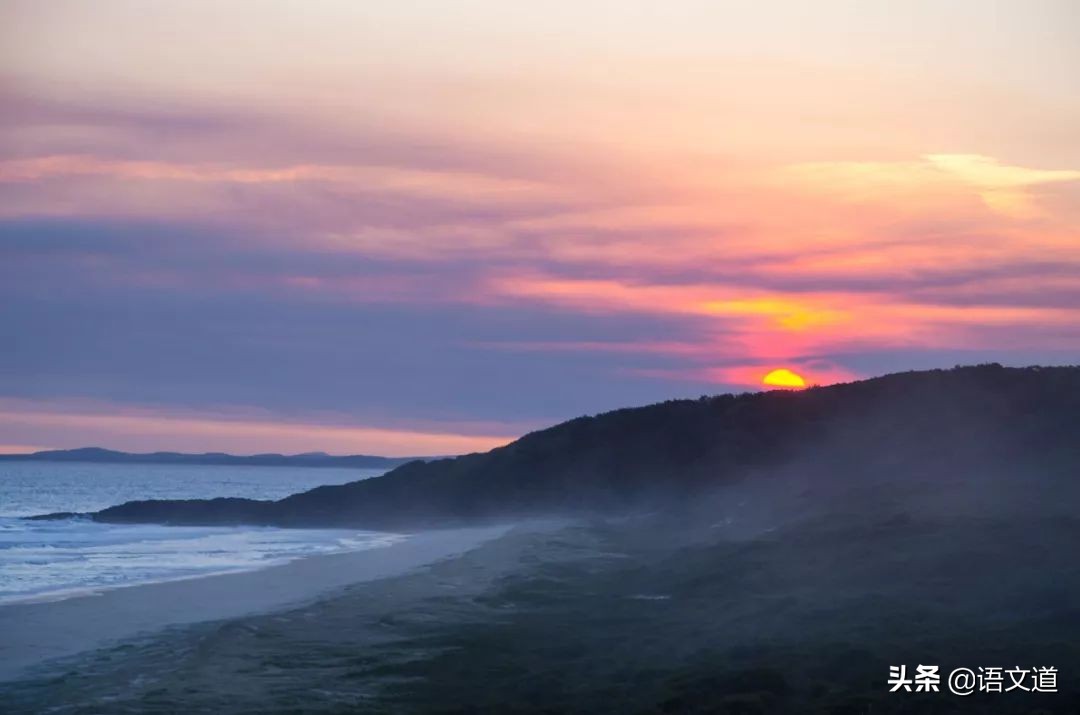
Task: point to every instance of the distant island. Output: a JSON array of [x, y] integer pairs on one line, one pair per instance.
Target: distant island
[[996, 424], [308, 459]]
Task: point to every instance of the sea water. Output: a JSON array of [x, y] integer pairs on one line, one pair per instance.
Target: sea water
[[44, 560]]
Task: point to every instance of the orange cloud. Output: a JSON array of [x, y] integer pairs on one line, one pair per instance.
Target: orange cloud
[[775, 261], [783, 326], [783, 312]]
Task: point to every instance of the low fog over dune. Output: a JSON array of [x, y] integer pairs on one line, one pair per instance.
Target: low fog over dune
[[942, 439]]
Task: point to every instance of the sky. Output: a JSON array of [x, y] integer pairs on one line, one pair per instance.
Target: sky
[[411, 228]]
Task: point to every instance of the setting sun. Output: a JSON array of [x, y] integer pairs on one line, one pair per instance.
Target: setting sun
[[784, 378]]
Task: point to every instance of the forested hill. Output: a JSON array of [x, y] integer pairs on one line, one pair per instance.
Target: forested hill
[[1012, 423]]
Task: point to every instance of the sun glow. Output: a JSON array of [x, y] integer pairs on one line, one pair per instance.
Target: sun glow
[[783, 377]]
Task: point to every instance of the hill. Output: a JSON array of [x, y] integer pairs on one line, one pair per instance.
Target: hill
[[1010, 428], [309, 459]]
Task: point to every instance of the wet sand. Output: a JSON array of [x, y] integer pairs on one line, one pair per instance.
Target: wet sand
[[35, 633]]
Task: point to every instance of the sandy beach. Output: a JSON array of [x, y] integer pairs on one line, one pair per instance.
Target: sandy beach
[[36, 633], [628, 616]]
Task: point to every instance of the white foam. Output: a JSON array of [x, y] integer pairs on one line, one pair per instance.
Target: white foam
[[52, 560]]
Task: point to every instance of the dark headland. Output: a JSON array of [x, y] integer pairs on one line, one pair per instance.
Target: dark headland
[[987, 421]]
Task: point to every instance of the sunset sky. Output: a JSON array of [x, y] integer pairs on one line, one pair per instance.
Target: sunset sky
[[429, 227]]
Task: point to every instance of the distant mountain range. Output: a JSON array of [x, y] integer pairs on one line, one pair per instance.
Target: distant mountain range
[[1010, 430], [308, 459]]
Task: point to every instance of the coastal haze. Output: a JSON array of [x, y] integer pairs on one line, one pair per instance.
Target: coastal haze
[[718, 358]]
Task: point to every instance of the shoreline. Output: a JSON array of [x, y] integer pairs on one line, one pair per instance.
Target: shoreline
[[388, 539], [39, 632]]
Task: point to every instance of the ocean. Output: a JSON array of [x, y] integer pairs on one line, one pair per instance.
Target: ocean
[[48, 560]]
